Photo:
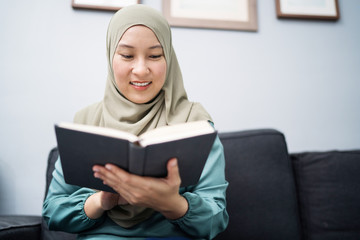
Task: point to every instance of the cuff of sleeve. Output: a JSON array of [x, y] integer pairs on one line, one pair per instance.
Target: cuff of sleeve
[[190, 198], [83, 214]]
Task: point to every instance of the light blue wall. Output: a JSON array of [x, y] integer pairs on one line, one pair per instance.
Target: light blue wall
[[300, 77]]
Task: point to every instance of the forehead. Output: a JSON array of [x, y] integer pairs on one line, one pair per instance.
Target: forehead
[[139, 34]]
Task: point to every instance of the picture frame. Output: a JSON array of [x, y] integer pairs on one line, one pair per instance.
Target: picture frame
[[108, 5], [214, 14], [308, 9]]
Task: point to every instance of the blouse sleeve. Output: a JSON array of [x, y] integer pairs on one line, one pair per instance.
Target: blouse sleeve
[[63, 208], [207, 215]]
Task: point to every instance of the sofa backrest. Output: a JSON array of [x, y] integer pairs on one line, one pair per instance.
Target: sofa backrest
[[261, 198], [46, 234]]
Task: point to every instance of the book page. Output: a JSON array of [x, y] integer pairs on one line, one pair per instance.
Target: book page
[[174, 132], [108, 132]]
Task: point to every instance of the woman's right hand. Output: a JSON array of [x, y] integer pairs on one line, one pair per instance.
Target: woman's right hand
[[101, 201]]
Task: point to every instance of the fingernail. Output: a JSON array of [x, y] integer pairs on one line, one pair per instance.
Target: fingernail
[[174, 163], [95, 169], [107, 166]]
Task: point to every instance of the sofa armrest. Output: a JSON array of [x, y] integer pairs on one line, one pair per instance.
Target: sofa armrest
[[20, 227], [328, 185]]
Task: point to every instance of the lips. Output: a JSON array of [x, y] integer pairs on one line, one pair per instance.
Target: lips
[[140, 84]]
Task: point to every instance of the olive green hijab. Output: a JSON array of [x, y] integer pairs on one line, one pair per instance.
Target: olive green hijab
[[171, 106]]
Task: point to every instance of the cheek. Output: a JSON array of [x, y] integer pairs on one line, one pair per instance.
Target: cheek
[[119, 71], [161, 72]]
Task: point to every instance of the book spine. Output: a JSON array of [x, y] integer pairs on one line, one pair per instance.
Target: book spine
[[136, 159]]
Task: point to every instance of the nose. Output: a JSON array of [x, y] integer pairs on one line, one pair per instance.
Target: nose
[[140, 67]]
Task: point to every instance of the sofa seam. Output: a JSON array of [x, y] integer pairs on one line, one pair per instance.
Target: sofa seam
[[224, 137], [21, 226]]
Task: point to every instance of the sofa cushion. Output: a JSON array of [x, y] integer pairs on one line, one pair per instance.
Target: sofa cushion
[[20, 227], [261, 199], [329, 194]]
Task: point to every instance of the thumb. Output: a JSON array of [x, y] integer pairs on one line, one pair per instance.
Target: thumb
[[173, 171]]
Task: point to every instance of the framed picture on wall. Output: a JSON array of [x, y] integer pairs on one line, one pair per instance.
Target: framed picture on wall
[[224, 14], [308, 9], [110, 5]]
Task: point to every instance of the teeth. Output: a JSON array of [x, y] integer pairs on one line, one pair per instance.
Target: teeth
[[140, 84]]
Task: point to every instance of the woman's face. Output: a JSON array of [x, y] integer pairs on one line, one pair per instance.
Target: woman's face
[[139, 65]]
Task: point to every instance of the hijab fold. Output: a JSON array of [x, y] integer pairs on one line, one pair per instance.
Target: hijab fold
[[171, 106]]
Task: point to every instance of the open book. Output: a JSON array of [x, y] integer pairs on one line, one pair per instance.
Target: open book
[[83, 146]]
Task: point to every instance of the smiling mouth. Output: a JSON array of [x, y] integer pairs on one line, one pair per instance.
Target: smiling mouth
[[140, 84]]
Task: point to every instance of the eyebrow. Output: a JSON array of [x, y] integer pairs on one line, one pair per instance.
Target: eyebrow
[[156, 46], [129, 46]]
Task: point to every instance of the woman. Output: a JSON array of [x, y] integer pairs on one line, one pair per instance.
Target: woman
[[144, 90]]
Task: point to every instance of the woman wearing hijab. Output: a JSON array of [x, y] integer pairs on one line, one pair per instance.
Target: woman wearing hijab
[[144, 90]]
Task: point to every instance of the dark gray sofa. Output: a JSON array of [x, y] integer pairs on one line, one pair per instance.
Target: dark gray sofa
[[273, 195]]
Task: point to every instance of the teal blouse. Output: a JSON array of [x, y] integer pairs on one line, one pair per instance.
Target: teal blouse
[[63, 208]]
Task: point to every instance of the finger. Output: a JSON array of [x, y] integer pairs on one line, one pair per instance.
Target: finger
[[116, 178], [115, 169], [111, 182], [120, 175], [132, 180], [108, 177], [173, 171]]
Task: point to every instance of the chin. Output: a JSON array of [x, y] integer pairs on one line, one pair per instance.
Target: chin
[[140, 101]]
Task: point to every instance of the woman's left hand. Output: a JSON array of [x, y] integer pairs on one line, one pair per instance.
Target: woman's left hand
[[160, 194]]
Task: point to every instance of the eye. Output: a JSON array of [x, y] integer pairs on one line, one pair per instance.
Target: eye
[[126, 56], [156, 56]]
